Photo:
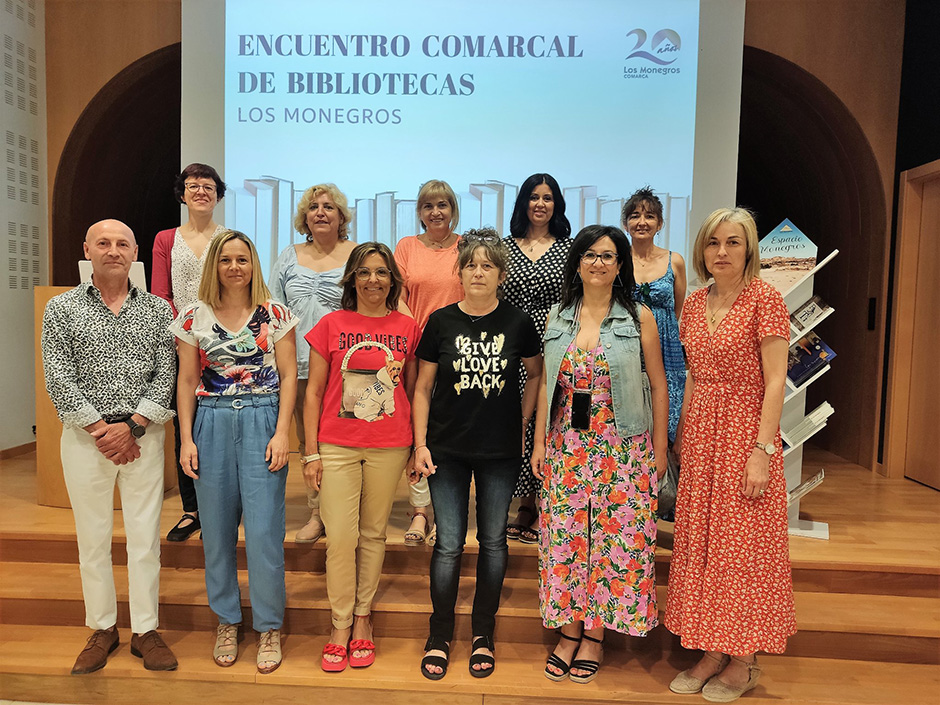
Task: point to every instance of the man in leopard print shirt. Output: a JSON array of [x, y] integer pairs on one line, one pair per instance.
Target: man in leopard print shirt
[[108, 358]]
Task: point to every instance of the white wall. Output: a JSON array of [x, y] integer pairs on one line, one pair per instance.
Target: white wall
[[23, 208]]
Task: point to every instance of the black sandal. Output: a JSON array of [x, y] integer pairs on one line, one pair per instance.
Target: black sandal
[[181, 533], [516, 532], [435, 643], [482, 642], [557, 662], [586, 664], [528, 535]]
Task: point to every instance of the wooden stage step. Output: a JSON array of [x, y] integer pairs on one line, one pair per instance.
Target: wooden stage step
[[35, 663], [865, 627], [870, 578], [868, 609]]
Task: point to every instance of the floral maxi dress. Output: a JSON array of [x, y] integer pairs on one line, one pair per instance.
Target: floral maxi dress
[[597, 524], [730, 588]]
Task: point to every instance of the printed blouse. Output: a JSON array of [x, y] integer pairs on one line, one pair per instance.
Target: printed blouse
[[235, 362]]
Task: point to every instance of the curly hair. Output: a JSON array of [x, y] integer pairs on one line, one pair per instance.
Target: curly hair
[[312, 194]]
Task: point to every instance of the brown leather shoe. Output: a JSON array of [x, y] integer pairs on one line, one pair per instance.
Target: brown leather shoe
[[95, 654], [155, 653]]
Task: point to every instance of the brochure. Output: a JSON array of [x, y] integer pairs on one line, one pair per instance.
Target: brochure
[[807, 356]]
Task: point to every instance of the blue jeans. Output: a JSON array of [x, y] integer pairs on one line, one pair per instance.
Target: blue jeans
[[450, 495], [231, 434]]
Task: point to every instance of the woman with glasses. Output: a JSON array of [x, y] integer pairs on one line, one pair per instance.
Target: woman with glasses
[[178, 256], [307, 278], [540, 236], [357, 414], [469, 421], [428, 264], [235, 393], [600, 440]]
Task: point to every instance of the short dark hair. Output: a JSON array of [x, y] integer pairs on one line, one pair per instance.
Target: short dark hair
[[642, 197], [572, 287], [198, 171], [558, 227], [350, 301]]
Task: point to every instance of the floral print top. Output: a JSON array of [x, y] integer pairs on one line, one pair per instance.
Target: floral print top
[[235, 362]]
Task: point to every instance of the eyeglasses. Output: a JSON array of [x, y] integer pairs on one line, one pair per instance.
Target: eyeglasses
[[489, 239], [607, 258], [194, 188], [381, 273]]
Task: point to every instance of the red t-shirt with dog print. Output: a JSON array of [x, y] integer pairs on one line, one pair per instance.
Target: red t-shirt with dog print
[[364, 403]]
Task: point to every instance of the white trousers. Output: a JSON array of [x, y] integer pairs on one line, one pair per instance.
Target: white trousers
[[90, 478]]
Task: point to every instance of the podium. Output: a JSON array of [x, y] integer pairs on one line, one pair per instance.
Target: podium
[[50, 483]]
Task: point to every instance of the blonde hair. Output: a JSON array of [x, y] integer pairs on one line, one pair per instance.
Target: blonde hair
[[431, 191], [736, 216], [312, 194], [210, 291]]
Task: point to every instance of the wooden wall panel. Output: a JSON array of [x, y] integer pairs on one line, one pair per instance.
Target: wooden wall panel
[[856, 53], [913, 385], [87, 44]]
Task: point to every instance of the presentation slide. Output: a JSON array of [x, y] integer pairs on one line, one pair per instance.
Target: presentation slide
[[380, 97]]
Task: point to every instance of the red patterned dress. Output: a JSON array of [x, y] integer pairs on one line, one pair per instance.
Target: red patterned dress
[[730, 588]]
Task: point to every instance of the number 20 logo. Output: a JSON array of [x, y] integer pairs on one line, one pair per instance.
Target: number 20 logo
[[664, 41]]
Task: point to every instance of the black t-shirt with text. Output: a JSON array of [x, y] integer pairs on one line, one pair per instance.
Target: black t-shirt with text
[[476, 405]]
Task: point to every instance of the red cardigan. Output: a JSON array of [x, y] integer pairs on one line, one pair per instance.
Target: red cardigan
[[161, 280]]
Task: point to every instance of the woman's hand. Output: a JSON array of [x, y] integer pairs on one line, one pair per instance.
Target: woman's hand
[[414, 475], [424, 465], [277, 452], [189, 459], [313, 474], [660, 463], [537, 461], [756, 476]]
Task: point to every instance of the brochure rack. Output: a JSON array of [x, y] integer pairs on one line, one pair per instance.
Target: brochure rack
[[796, 425]]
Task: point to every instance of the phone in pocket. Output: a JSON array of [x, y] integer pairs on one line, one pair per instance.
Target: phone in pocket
[[581, 411]]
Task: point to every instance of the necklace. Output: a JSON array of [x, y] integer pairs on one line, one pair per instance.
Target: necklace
[[643, 261], [439, 244], [532, 243], [475, 318], [714, 311]]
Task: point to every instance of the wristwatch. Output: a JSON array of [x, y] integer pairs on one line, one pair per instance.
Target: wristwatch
[[768, 448], [137, 431]]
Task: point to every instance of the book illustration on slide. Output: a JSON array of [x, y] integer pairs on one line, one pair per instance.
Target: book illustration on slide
[[807, 357], [786, 256]]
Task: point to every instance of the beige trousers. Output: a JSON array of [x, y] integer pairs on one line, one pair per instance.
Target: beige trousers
[[418, 494], [90, 480], [356, 492]]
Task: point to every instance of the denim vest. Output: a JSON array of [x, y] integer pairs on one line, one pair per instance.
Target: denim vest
[[620, 340]]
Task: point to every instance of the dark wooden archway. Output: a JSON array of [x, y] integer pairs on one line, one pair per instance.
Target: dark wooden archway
[[803, 156], [120, 161]]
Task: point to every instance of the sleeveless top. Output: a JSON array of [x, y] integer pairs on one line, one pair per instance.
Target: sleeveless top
[[659, 295]]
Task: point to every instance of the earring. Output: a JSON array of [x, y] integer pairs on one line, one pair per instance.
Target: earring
[[577, 275], [618, 281]]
